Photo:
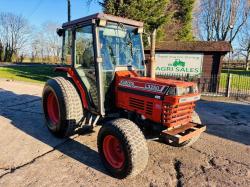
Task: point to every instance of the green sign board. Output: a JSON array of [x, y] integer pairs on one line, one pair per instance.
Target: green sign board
[[179, 63]]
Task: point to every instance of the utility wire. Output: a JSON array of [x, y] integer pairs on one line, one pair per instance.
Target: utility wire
[[36, 8]]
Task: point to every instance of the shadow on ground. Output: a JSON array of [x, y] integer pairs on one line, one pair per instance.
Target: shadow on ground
[[226, 120], [22, 119]]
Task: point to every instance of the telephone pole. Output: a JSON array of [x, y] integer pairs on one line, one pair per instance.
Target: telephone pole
[[69, 10]]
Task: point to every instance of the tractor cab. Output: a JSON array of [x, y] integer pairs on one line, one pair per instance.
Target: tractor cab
[[96, 47]]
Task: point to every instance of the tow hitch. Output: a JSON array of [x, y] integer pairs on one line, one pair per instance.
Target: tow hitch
[[184, 132]]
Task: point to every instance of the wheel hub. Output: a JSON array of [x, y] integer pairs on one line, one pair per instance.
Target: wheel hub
[[52, 108], [113, 151]]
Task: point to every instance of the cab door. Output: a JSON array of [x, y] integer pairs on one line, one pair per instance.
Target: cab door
[[84, 61]]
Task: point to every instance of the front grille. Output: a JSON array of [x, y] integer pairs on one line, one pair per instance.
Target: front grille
[[180, 114]]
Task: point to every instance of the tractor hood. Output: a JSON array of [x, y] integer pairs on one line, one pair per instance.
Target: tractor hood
[[154, 97], [157, 86]]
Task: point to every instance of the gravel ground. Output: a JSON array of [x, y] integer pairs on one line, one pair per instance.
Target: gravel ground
[[31, 156]]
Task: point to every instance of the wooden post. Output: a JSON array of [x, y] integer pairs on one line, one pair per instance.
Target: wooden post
[[152, 54], [229, 78]]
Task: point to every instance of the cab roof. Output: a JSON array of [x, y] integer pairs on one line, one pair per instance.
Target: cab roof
[[98, 16]]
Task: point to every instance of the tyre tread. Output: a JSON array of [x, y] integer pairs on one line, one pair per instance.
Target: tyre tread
[[73, 104]]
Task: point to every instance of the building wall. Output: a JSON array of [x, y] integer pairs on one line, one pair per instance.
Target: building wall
[[212, 64]]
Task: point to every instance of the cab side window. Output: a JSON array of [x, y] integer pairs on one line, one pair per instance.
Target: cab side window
[[84, 48], [67, 50]]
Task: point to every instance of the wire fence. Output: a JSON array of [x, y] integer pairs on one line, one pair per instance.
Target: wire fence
[[230, 85]]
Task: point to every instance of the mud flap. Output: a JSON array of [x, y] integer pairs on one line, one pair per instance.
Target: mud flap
[[184, 132]]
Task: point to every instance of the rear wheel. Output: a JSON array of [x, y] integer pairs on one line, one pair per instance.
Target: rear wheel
[[122, 148], [62, 107]]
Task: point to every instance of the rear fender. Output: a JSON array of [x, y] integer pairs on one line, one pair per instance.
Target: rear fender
[[77, 82]]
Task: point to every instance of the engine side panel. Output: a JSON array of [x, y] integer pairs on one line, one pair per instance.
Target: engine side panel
[[139, 96], [148, 107]]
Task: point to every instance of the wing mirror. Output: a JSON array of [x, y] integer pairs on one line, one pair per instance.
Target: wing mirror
[[60, 31]]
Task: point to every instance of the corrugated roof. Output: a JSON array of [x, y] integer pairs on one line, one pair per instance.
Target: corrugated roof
[[194, 46]]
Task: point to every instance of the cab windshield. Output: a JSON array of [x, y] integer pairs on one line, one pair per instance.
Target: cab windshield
[[120, 45]]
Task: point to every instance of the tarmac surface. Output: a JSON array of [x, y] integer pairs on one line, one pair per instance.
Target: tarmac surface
[[31, 156]]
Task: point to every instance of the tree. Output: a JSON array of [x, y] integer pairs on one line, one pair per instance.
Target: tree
[[244, 42], [1, 51], [53, 41], [151, 12], [46, 44], [14, 32], [38, 46], [184, 15], [215, 17]]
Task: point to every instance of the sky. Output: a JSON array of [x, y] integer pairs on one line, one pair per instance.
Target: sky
[[41, 11]]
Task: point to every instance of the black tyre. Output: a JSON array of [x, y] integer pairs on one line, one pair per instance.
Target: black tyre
[[122, 148], [62, 107]]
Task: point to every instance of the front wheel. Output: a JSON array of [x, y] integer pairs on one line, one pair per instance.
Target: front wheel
[[122, 148]]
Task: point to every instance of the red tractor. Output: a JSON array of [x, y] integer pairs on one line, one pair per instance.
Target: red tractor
[[106, 85]]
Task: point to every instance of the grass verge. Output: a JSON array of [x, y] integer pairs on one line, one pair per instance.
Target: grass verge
[[36, 74]]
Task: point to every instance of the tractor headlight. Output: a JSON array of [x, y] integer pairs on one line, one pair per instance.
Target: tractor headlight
[[187, 90], [183, 91]]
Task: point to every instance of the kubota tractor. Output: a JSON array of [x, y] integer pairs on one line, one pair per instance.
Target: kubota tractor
[[107, 85]]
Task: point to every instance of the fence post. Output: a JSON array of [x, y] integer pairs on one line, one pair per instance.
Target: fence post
[[228, 86]]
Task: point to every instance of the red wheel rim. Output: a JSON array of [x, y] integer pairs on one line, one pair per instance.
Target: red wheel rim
[[113, 151], [52, 108]]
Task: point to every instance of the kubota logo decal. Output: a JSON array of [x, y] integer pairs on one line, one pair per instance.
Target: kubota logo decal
[[142, 86], [127, 83]]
